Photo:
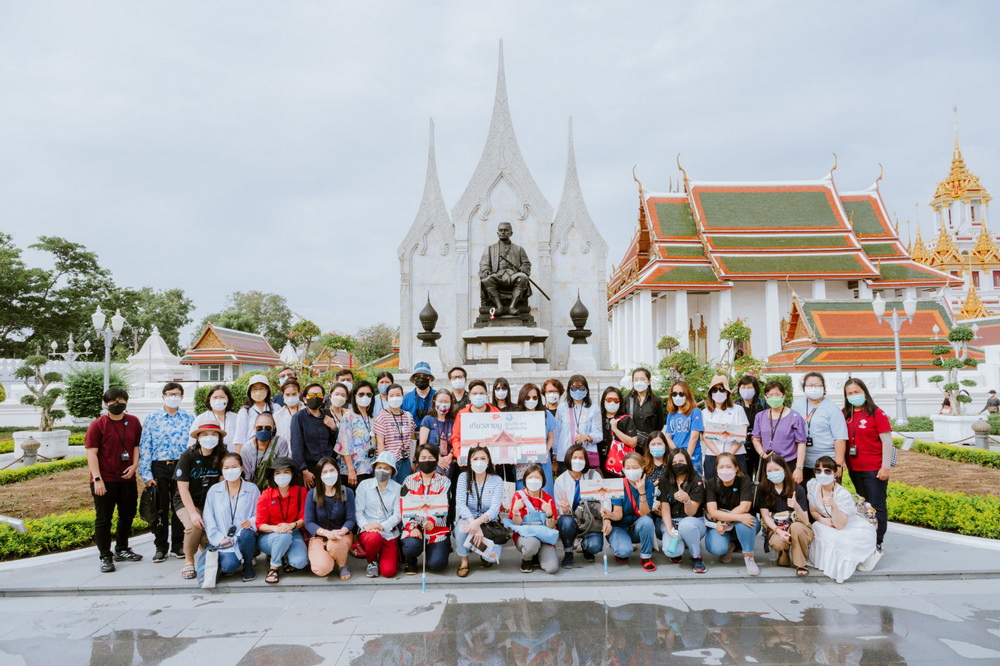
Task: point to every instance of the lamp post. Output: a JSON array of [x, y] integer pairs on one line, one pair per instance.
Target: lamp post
[[895, 322], [110, 333], [70, 355]]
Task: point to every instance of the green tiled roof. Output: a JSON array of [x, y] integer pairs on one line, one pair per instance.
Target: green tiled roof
[[896, 272], [762, 210], [865, 221], [882, 250], [675, 219], [686, 274], [671, 250], [778, 242], [789, 265]]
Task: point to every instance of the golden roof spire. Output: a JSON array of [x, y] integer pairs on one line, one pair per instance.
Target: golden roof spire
[[986, 249], [920, 253], [973, 307], [960, 182], [945, 251]]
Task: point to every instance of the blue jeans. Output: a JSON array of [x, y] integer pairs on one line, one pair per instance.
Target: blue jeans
[[288, 543], [641, 532], [718, 544], [868, 486], [437, 553], [246, 544], [403, 469], [592, 543], [549, 486], [741, 460], [692, 531]]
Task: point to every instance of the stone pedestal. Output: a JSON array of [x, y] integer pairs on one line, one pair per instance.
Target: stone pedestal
[[505, 348], [581, 359], [432, 355], [54, 443]]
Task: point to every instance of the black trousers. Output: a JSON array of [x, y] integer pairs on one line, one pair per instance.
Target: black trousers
[[169, 523], [867, 485], [123, 496]]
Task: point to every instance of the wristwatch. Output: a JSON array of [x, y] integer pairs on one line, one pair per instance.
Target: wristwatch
[[96, 479]]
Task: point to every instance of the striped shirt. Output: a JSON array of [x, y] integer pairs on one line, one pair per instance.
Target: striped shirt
[[396, 431], [478, 500]]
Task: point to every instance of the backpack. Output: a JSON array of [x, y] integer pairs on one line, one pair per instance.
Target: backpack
[[588, 517]]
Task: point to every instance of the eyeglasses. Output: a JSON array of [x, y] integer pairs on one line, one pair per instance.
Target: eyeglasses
[[823, 470], [678, 394], [264, 429]]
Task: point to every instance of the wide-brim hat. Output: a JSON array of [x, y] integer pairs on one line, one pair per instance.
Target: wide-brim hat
[[387, 458], [258, 379], [422, 368], [721, 380], [208, 428]]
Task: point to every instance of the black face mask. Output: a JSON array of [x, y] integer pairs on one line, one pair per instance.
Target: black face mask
[[680, 468], [117, 408], [427, 466], [421, 383], [314, 403]]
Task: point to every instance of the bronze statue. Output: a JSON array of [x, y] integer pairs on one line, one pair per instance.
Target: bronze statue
[[505, 268]]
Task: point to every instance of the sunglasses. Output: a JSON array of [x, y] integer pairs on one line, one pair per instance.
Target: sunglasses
[[613, 401], [264, 429], [678, 394], [314, 395], [823, 471], [365, 394]]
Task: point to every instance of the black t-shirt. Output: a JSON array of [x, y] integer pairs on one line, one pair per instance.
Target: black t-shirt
[[779, 503], [727, 499], [693, 486], [625, 424], [200, 471]]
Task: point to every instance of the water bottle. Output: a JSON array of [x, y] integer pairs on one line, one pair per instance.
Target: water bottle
[[672, 545]]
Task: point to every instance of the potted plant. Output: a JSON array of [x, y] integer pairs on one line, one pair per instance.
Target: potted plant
[[54, 443], [953, 357]]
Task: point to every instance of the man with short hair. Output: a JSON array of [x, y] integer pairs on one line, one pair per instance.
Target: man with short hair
[[112, 444], [418, 402], [459, 379], [165, 436], [285, 374], [992, 404]]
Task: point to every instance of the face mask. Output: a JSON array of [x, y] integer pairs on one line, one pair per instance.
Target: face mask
[[577, 465], [552, 398], [283, 480], [117, 409], [611, 407], [720, 396], [776, 477], [284, 379], [363, 400], [348, 385], [726, 474], [530, 403], [330, 478], [856, 399], [382, 388], [657, 451], [421, 383], [640, 386], [219, 405], [679, 468], [679, 400], [633, 474], [232, 473], [382, 475], [291, 400], [264, 435], [208, 441], [427, 466], [314, 403], [501, 394], [172, 401], [477, 400], [479, 466], [775, 401], [395, 401], [578, 394], [458, 384], [533, 484], [747, 393], [813, 392], [442, 407], [825, 478], [258, 395], [337, 400]]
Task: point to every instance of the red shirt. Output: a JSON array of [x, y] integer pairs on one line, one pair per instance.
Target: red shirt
[[863, 431], [112, 439], [273, 509], [537, 504]]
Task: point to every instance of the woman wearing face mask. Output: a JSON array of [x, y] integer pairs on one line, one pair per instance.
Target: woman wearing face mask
[[437, 427], [291, 393], [382, 382], [312, 438], [578, 421], [869, 449], [230, 517], [826, 429], [356, 440], [682, 501], [616, 426], [257, 402], [218, 410], [339, 395], [281, 519], [728, 502], [378, 517], [567, 497], [501, 398], [781, 430], [843, 541], [478, 499], [329, 520], [721, 415], [394, 428], [552, 392], [752, 403], [529, 400], [197, 469], [629, 519], [259, 453], [478, 404], [533, 506], [684, 423], [655, 457], [645, 407], [784, 511], [426, 481]]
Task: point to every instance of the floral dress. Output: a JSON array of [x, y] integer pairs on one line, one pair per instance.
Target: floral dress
[[356, 439]]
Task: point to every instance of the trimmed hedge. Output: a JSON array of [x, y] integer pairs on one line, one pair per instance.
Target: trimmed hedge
[[10, 476], [7, 446], [916, 424], [962, 454], [53, 534]]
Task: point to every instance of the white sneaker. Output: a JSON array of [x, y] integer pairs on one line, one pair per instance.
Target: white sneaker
[[870, 561], [751, 565], [372, 571]]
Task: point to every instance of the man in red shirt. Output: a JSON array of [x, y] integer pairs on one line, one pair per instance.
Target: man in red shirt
[[112, 444]]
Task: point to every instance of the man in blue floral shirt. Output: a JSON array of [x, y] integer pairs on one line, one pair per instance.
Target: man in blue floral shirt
[[165, 435]]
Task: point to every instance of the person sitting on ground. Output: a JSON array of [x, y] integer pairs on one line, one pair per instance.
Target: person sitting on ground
[[629, 521], [198, 468], [784, 511], [567, 497], [281, 519], [478, 498], [378, 516], [432, 536], [682, 502], [728, 502], [329, 520], [230, 518], [533, 506]]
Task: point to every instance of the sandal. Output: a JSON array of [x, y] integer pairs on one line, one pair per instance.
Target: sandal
[[188, 572], [463, 571], [801, 571], [289, 568], [272, 575], [486, 563], [345, 573]]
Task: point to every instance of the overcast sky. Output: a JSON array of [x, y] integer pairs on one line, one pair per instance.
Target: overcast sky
[[232, 146]]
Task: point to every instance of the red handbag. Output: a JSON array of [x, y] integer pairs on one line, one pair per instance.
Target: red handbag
[[616, 455]]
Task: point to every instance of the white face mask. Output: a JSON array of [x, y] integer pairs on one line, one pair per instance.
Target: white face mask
[[339, 400], [363, 400], [232, 473], [530, 403], [501, 394], [577, 465], [813, 392], [330, 478], [208, 442], [611, 407], [640, 385], [479, 466], [747, 393], [458, 384], [283, 480], [477, 400], [284, 379], [533, 484], [633, 474], [291, 400], [219, 405], [679, 400], [720, 396], [395, 401], [172, 401], [726, 474], [349, 385], [825, 478], [552, 398]]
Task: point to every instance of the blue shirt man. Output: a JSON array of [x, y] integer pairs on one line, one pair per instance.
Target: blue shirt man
[[419, 401]]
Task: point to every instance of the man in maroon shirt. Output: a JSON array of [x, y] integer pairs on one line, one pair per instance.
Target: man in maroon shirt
[[112, 444]]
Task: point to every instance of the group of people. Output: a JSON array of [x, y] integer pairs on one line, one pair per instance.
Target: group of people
[[308, 476]]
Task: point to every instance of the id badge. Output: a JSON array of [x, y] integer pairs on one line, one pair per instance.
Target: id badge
[[852, 450], [125, 456]]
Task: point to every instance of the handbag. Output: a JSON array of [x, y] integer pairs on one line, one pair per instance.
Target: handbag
[[149, 506], [588, 517], [616, 454], [496, 532], [208, 567], [865, 510]]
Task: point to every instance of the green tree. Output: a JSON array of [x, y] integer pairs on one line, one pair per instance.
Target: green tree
[[374, 342], [145, 309], [954, 357], [41, 395], [84, 390], [679, 364], [732, 333], [303, 332], [254, 312]]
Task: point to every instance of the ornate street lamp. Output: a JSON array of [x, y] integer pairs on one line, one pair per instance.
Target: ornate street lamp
[[895, 322], [110, 334]]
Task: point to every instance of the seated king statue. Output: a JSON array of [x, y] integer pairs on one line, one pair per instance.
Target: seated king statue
[[505, 268]]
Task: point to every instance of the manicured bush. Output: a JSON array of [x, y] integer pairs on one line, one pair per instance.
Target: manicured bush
[[3, 393], [7, 446], [916, 424], [84, 390], [77, 440], [10, 476], [963, 454], [54, 534]]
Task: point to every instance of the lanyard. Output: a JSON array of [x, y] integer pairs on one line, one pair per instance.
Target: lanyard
[[628, 491], [809, 415], [479, 493], [281, 505], [774, 426], [233, 505], [576, 495], [385, 511], [399, 428]]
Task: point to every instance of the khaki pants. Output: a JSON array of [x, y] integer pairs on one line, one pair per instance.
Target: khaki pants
[[325, 554], [193, 536], [802, 536]]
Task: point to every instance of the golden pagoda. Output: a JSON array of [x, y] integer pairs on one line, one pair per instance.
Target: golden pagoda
[[919, 252], [986, 250], [973, 307], [946, 251], [960, 182]]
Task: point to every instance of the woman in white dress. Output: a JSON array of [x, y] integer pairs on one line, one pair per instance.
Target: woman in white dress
[[844, 541]]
